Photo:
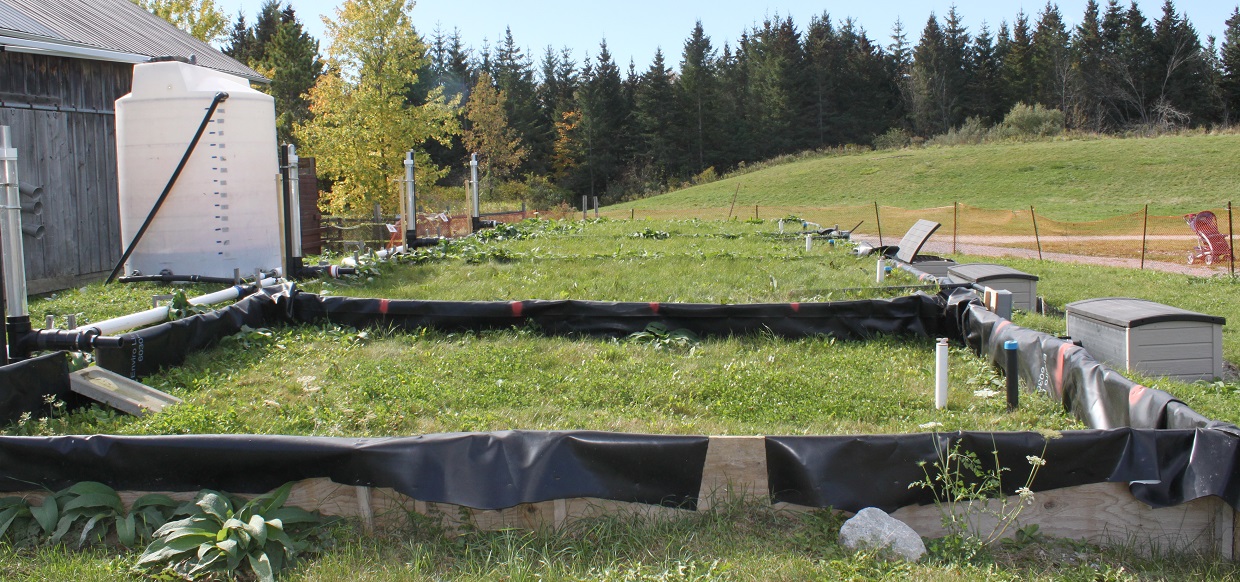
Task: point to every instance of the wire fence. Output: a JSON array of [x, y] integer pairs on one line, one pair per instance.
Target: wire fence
[[343, 234], [1202, 240]]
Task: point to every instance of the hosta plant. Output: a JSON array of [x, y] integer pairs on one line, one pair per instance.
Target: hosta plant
[[225, 536]]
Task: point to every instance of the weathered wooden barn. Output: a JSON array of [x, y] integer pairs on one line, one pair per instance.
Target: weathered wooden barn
[[63, 64]]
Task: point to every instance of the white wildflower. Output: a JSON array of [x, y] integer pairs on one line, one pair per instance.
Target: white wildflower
[[929, 425], [985, 393], [1035, 460]]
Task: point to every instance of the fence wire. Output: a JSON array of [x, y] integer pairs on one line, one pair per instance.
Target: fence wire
[[1136, 237]]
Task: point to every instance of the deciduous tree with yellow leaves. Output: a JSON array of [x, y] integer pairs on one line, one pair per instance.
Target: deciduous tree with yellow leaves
[[363, 119], [497, 144]]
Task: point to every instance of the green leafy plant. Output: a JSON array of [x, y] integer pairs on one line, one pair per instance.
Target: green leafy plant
[[89, 509], [651, 233], [225, 536], [969, 495], [182, 308], [250, 337], [660, 337]]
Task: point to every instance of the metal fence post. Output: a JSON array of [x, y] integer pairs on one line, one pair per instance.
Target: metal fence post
[[878, 223], [955, 224]]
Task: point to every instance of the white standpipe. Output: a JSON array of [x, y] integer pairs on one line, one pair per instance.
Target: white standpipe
[[940, 374], [294, 201], [473, 180], [11, 229], [781, 226], [159, 314], [809, 242], [408, 209], [881, 273]]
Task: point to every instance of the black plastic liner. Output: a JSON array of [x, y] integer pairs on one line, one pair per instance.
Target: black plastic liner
[[169, 343], [920, 315], [1163, 467], [478, 470], [1097, 395], [24, 385]]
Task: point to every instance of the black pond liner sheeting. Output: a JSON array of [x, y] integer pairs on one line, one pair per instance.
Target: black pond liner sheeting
[[167, 344], [1166, 451], [24, 385], [1163, 467], [478, 470]]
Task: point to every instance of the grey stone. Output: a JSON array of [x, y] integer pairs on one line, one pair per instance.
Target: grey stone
[[873, 529]]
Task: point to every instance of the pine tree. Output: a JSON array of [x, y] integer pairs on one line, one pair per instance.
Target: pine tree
[[1053, 83], [985, 89], [697, 102], [603, 113], [1087, 51], [363, 123], [1230, 64], [513, 72], [291, 60], [1180, 68], [655, 115], [1018, 74]]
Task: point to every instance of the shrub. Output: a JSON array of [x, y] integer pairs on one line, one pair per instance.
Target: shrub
[[1031, 121], [895, 138]]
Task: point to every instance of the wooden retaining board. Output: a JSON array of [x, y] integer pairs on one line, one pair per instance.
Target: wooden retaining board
[[735, 471], [1152, 338]]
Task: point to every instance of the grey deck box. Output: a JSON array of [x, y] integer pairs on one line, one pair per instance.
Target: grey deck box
[[1155, 339], [1023, 286]]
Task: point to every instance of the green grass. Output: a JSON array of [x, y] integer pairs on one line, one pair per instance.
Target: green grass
[[738, 542], [1080, 179]]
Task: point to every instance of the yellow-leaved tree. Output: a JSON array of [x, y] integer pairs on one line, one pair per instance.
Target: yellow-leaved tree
[[498, 146], [364, 115], [203, 19]]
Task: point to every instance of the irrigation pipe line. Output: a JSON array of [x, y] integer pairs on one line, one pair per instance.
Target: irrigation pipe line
[[159, 314]]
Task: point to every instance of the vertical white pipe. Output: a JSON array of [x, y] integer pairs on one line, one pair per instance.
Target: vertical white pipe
[[473, 177], [410, 211], [11, 230], [881, 273], [809, 238], [781, 226], [940, 374], [294, 195]]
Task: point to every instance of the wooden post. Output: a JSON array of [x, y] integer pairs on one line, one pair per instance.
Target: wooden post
[[632, 213], [878, 223], [733, 206], [955, 224], [1036, 238], [755, 212], [1145, 226]]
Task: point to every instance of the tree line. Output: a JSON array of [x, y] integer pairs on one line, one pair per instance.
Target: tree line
[[548, 128]]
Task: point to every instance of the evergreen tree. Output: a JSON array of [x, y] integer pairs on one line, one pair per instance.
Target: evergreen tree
[[900, 67], [1087, 51], [291, 60], [697, 102], [985, 88], [655, 116], [1181, 70], [1053, 84], [933, 100], [1018, 73], [513, 72], [1229, 61], [603, 114]]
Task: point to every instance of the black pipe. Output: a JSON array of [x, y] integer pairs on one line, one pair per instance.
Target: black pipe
[[332, 271], [1013, 376], [4, 334], [78, 341], [178, 279], [215, 102], [18, 331]]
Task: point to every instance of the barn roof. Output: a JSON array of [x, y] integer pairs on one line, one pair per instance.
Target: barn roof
[[108, 30]]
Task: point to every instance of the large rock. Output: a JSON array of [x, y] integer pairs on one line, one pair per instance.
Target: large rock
[[873, 529]]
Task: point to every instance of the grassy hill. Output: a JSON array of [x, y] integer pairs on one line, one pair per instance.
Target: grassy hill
[[1082, 179]]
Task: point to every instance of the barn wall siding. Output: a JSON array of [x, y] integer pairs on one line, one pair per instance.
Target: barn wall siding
[[71, 153]]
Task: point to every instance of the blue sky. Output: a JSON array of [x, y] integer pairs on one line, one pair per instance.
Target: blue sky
[[634, 28]]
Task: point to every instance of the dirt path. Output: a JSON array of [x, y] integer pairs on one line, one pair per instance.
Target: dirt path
[[965, 246]]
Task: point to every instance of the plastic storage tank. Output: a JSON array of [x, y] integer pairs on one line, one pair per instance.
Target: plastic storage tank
[[223, 213]]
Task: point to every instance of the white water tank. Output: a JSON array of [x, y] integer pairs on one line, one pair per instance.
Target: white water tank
[[223, 213]]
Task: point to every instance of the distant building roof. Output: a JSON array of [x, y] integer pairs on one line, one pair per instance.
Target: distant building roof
[[109, 30]]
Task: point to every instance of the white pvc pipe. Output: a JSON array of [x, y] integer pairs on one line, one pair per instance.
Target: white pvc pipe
[[781, 226], [294, 195], [940, 374], [473, 178], [881, 272], [11, 229], [809, 238], [159, 314], [381, 254]]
